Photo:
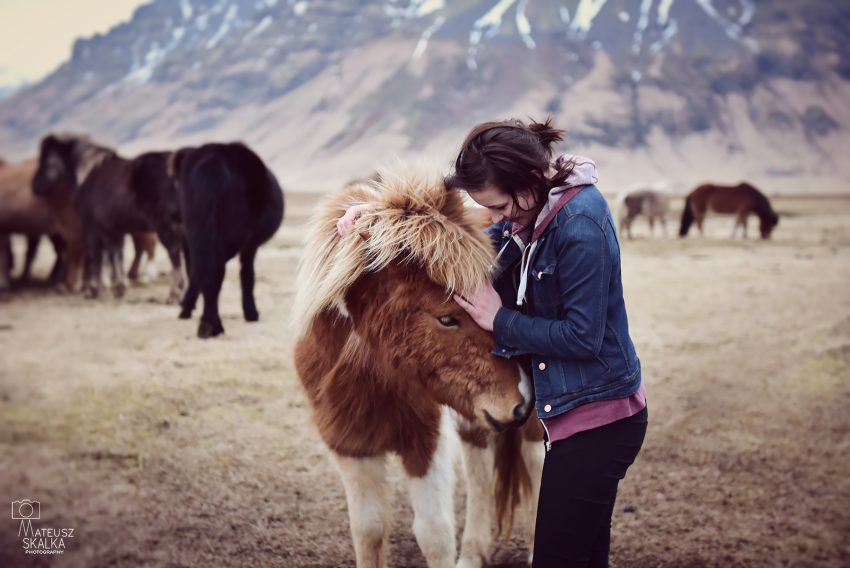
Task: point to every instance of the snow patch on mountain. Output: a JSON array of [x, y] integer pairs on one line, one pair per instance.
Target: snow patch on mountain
[[586, 12]]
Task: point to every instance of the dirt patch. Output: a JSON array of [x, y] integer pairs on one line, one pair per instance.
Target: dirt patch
[[163, 450]]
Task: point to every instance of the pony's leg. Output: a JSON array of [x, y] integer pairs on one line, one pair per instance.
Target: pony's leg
[[138, 248], [477, 543], [116, 263], [365, 482], [178, 274], [190, 299], [210, 284], [652, 225], [150, 241], [94, 266], [5, 262], [246, 276], [59, 267], [432, 499], [663, 219], [533, 452], [32, 249]]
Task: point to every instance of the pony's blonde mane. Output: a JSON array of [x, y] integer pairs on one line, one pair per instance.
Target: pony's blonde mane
[[412, 218]]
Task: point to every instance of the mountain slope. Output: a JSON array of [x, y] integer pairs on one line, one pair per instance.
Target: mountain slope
[[682, 89]]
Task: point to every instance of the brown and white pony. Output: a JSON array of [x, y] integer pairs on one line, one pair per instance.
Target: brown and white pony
[[740, 200], [392, 365], [651, 202]]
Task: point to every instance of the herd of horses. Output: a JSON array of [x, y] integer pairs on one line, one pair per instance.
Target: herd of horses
[[390, 365], [205, 204]]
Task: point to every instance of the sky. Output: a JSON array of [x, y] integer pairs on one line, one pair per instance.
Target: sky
[[36, 36]]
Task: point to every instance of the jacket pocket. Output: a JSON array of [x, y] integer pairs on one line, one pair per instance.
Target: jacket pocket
[[545, 290]]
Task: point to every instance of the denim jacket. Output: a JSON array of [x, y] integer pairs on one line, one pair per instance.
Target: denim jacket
[[573, 325]]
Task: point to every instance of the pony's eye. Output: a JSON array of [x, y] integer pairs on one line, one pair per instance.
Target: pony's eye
[[448, 321]]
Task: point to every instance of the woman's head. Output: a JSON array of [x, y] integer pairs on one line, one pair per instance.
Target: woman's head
[[505, 166]]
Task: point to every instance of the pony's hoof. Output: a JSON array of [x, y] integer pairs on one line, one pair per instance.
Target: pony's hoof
[[91, 293], [119, 290], [207, 330], [185, 314], [252, 316]]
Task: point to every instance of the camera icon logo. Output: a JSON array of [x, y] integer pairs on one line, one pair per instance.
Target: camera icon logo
[[26, 510]]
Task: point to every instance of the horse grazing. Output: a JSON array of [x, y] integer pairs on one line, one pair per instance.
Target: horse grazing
[[24, 213], [739, 200], [651, 202], [392, 365], [231, 204], [113, 196]]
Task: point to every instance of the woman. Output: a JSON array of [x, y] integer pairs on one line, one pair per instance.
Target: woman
[[557, 301]]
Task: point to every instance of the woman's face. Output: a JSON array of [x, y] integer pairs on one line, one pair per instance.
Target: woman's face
[[501, 205]]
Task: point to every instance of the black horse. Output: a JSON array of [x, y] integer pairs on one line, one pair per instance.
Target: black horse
[[231, 203]]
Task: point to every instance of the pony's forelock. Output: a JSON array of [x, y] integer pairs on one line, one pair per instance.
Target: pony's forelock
[[412, 218]]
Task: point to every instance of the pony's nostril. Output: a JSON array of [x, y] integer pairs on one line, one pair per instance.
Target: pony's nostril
[[519, 412]]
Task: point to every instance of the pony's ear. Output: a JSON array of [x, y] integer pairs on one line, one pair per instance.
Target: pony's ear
[[46, 142]]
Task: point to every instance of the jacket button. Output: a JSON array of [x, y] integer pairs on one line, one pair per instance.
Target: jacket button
[[540, 275], [506, 234], [547, 408], [542, 366]]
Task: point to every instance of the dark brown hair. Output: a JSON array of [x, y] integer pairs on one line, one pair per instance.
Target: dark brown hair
[[512, 156]]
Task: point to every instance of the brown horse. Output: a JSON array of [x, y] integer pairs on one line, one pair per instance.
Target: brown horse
[[22, 212], [384, 352], [740, 200], [113, 196]]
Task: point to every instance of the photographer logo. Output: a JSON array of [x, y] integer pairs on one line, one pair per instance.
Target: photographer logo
[[38, 540]]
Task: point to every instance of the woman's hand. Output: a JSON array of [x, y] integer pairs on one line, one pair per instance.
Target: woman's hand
[[481, 306], [346, 223]]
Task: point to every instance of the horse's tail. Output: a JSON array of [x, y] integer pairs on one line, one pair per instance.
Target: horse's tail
[[512, 479], [687, 217]]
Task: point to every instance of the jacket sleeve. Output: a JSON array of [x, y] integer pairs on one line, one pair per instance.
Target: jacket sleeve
[[584, 274]]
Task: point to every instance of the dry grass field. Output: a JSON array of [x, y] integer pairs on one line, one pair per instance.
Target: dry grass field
[[160, 449]]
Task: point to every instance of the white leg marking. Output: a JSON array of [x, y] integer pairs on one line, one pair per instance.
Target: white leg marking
[[432, 500], [533, 453], [178, 281], [477, 542], [366, 491]]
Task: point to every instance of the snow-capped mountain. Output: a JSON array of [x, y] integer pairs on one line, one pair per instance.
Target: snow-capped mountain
[[324, 89]]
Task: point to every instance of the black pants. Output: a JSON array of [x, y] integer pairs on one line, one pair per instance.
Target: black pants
[[577, 493]]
